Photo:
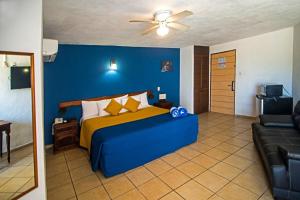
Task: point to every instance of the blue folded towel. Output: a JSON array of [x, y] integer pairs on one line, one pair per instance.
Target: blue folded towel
[[178, 112], [182, 111]]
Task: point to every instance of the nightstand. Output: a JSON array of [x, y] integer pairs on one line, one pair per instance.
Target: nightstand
[[65, 136], [163, 104]]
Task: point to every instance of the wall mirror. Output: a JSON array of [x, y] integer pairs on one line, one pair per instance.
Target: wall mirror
[[18, 166]]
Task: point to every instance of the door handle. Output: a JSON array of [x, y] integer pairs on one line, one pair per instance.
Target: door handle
[[232, 85]]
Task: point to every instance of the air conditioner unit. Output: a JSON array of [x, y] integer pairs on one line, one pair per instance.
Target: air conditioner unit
[[50, 48]]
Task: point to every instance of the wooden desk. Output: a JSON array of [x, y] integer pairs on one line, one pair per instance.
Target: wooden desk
[[5, 127]]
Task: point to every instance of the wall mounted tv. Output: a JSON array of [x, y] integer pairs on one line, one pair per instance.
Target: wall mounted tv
[[20, 77]]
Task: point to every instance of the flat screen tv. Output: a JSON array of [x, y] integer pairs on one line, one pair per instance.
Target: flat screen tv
[[20, 77]]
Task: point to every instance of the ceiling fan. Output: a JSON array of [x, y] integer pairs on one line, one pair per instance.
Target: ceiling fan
[[163, 20]]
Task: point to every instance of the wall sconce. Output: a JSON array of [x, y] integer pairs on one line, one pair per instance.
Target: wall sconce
[[113, 65]]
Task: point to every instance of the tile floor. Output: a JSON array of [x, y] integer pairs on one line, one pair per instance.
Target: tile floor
[[18, 175], [222, 164]]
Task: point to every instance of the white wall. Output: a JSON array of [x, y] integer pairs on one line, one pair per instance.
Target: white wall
[[296, 64], [266, 58], [187, 78], [21, 30], [16, 104]]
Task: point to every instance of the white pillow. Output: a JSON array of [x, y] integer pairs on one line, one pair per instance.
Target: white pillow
[[143, 99], [89, 109], [102, 104]]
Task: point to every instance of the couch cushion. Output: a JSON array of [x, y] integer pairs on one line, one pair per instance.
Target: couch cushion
[[276, 120]]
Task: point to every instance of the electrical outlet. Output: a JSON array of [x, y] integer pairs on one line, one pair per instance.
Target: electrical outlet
[[158, 89]]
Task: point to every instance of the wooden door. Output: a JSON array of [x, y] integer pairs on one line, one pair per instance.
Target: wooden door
[[223, 82], [201, 79]]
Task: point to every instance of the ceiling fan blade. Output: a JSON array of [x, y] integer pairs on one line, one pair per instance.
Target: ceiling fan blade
[[178, 26], [150, 29], [179, 16], [142, 21]]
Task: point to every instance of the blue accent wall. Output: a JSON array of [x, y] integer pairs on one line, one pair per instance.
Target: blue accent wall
[[82, 71]]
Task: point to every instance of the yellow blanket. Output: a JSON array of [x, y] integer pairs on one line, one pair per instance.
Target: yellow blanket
[[89, 126]]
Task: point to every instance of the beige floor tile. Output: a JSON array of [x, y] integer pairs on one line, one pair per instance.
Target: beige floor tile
[[205, 161], [57, 169], [191, 169], [248, 154], [194, 191], [238, 162], [229, 148], [174, 178], [154, 189], [237, 142], [215, 197], [158, 167], [267, 196], [250, 146], [131, 195], [81, 172], [3, 180], [30, 184], [75, 154], [13, 185], [217, 154], [61, 193], [55, 159], [255, 184], [11, 171], [225, 170], [104, 179], [24, 162], [75, 163], [139, 175], [211, 181], [201, 147], [256, 169], [118, 186], [172, 196], [212, 142], [58, 180], [5, 196], [220, 137], [86, 183], [96, 193], [188, 152], [174, 159], [25, 173], [235, 192]]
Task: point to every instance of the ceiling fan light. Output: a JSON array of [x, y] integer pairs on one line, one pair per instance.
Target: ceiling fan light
[[162, 30]]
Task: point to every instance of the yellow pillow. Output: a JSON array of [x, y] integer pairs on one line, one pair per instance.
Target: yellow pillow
[[113, 107], [132, 104]]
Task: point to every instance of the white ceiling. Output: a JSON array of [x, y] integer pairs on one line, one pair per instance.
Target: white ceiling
[[105, 22]]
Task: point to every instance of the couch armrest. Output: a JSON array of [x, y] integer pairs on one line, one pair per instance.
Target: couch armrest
[[291, 156], [290, 151]]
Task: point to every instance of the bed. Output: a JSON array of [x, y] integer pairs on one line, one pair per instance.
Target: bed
[[120, 143]]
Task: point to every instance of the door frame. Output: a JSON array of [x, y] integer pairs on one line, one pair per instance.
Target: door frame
[[210, 77]]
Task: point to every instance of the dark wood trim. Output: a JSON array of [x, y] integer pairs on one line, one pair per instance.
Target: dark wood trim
[[210, 74], [67, 104], [33, 117]]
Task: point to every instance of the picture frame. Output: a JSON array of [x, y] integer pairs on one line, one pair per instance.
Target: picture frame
[[166, 66]]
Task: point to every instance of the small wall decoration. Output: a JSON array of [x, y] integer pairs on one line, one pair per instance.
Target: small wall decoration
[[222, 62], [166, 66]]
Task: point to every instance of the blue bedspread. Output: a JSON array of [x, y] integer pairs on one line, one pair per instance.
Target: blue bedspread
[[119, 148]]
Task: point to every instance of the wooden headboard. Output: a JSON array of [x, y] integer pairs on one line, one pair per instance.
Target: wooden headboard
[[67, 104]]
